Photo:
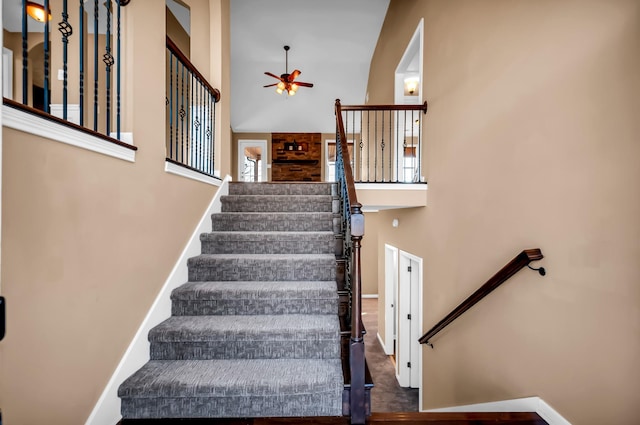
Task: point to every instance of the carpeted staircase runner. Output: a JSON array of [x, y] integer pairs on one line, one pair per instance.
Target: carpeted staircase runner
[[255, 331]]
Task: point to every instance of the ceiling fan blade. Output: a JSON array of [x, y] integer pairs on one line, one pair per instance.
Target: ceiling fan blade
[[273, 75], [294, 75], [301, 84], [271, 85]]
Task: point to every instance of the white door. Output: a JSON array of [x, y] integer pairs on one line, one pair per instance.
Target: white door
[[252, 160], [409, 319], [390, 291]]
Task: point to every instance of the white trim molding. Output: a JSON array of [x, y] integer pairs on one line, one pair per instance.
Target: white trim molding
[[527, 404], [178, 170], [107, 409], [33, 124], [370, 296], [392, 186]]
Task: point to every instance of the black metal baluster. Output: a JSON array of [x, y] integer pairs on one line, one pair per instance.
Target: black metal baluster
[[118, 68], [382, 146], [182, 114], [25, 54], [368, 146], [47, 54], [213, 135], [96, 10], [66, 30], [189, 120], [413, 152], [176, 107], [108, 61], [391, 145], [170, 105], [81, 76], [375, 158], [419, 150]]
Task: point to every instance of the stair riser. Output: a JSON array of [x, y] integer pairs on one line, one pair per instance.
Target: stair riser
[[267, 244], [261, 270], [248, 203], [253, 307], [281, 188], [212, 350], [241, 406], [272, 222]]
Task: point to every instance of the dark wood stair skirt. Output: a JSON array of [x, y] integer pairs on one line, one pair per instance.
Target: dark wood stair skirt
[[399, 418]]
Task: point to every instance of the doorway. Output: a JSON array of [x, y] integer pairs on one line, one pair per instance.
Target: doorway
[[252, 160], [409, 320], [408, 91]]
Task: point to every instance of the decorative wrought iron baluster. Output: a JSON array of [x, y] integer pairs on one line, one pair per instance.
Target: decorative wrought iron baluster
[[96, 10], [419, 150], [108, 61], [182, 114], [382, 146], [176, 108], [81, 57], [118, 69], [170, 98], [25, 54], [213, 126], [375, 157], [391, 121], [47, 55], [66, 30]]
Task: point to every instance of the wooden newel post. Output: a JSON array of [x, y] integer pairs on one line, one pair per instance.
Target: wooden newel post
[[356, 350]]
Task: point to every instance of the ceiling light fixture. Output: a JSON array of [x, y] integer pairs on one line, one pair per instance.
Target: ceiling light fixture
[[287, 83], [36, 11]]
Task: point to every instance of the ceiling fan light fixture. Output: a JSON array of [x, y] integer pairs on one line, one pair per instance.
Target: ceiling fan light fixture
[[279, 90], [286, 81], [36, 11], [291, 92], [281, 85]]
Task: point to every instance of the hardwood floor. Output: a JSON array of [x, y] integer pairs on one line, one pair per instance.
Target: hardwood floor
[[391, 418]]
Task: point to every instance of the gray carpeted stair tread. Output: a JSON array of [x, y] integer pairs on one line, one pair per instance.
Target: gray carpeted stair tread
[[233, 377], [257, 297], [272, 221], [255, 290], [288, 327], [278, 188], [277, 203], [268, 242]]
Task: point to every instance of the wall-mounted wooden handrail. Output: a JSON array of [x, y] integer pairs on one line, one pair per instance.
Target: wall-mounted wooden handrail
[[520, 261]]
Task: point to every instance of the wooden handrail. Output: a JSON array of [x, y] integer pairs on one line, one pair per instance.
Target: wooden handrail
[[422, 107], [520, 261], [181, 56], [351, 185]]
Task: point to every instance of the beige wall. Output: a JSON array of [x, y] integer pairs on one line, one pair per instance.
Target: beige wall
[[87, 243], [531, 141]]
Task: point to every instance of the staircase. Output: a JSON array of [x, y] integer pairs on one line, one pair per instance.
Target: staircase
[[255, 331]]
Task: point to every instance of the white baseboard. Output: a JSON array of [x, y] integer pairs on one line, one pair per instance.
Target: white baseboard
[[528, 404], [370, 296], [107, 409]]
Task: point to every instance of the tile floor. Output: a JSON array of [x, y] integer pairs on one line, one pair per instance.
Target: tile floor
[[387, 395]]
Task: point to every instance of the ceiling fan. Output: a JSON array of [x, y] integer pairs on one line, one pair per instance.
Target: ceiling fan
[[287, 83]]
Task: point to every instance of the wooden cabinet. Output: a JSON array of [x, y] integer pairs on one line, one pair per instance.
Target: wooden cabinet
[[296, 157]]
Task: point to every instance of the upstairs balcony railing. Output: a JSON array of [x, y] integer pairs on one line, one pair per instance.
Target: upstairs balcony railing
[[86, 52], [191, 114], [385, 141]]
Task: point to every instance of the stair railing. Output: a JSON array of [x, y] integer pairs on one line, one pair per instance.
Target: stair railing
[[94, 105], [191, 114], [519, 262], [352, 231], [385, 142]]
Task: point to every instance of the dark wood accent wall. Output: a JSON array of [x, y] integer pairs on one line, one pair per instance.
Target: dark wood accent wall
[[296, 157]]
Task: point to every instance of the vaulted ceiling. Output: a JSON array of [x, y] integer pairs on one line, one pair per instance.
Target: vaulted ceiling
[[332, 42]]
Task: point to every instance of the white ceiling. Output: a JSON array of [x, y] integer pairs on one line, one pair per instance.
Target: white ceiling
[[332, 42]]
